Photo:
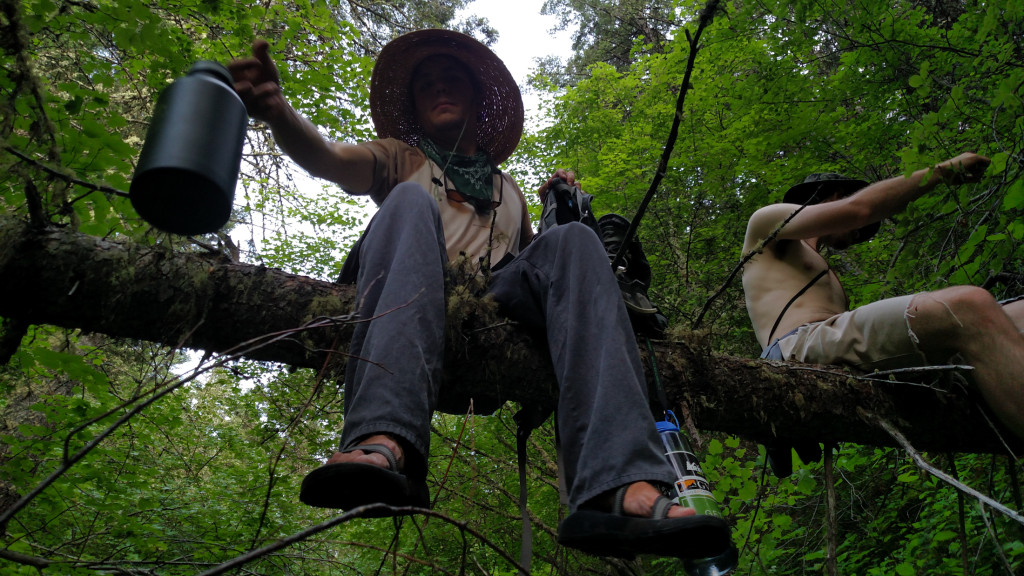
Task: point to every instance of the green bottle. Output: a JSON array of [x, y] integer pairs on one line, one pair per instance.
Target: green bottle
[[692, 490]]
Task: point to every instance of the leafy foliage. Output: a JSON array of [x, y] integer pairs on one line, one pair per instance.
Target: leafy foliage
[[782, 89], [211, 470], [609, 32]]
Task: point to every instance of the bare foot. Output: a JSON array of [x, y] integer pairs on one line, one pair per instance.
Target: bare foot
[[372, 458], [640, 497], [639, 501]]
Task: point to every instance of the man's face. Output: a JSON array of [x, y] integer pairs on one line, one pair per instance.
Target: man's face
[[443, 96], [841, 241]]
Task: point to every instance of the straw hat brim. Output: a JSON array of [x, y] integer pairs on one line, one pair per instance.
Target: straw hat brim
[[500, 114], [816, 192]]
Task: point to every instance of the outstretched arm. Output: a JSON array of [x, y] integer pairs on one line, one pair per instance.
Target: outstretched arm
[[258, 83], [872, 204]]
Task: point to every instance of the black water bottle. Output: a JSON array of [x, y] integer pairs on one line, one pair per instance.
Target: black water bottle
[[185, 180]]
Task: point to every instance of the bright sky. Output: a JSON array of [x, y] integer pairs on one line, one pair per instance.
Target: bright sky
[[523, 36]]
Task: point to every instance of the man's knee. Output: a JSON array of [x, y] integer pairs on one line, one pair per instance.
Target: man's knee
[[575, 237], [946, 317], [968, 304], [410, 196]]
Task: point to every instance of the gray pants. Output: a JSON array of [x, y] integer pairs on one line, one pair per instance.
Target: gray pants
[[561, 284]]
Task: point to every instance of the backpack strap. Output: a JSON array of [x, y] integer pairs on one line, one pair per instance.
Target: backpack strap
[[527, 418]]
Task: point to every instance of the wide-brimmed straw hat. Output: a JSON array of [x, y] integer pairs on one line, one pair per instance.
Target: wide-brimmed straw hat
[[500, 113], [822, 186]]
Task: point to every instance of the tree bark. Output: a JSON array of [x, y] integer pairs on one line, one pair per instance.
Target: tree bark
[[58, 277]]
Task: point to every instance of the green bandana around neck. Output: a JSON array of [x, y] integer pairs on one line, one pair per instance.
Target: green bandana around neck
[[471, 175]]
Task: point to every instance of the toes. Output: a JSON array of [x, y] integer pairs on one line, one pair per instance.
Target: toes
[[640, 500], [370, 457], [359, 456], [680, 512]]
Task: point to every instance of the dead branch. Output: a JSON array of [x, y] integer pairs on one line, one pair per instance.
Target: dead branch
[[927, 466], [350, 515]]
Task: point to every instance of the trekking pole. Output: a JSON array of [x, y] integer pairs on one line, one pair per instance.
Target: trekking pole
[[705, 18]]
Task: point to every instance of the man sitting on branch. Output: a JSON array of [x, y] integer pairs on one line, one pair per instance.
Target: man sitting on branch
[[448, 113], [800, 312]]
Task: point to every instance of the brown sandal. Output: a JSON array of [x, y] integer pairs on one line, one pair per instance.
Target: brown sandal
[[348, 485], [615, 534]]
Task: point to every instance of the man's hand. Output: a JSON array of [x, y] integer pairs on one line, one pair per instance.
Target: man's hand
[[568, 175], [967, 167], [258, 84]]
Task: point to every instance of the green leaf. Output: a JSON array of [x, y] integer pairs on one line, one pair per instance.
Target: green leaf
[[906, 569], [998, 164], [715, 447], [1014, 198], [907, 477]]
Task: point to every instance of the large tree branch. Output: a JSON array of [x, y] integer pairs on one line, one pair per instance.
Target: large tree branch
[[55, 276]]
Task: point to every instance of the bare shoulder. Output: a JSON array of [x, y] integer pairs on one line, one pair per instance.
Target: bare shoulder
[[764, 222]]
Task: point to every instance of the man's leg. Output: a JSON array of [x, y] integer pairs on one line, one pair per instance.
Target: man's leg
[[967, 320], [395, 363], [562, 283], [1015, 310]]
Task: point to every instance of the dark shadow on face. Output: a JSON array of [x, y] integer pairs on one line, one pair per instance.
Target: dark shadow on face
[[444, 97]]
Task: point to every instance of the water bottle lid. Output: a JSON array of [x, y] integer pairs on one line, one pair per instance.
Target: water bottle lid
[[665, 426], [669, 424], [215, 69]]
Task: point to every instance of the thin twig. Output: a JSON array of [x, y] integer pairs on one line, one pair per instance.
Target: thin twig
[[831, 567], [995, 543], [704, 19], [746, 258], [923, 370], [232, 354], [341, 519], [65, 177], [928, 467], [961, 525]]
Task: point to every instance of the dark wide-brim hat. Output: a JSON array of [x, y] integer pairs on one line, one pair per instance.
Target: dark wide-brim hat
[[821, 186], [500, 104]]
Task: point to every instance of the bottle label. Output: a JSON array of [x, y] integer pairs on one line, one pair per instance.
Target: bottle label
[[693, 486], [692, 489], [696, 493]]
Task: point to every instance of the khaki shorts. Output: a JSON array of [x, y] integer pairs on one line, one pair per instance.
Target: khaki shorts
[[876, 336]]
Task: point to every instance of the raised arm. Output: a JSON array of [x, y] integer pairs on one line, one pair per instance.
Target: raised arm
[[258, 83], [869, 205]]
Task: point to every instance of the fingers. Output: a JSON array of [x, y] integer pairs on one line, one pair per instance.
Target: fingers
[[567, 176], [264, 101], [258, 69], [975, 167], [261, 51], [967, 167], [257, 82]]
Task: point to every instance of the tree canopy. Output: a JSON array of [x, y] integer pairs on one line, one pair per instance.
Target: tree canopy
[[120, 455]]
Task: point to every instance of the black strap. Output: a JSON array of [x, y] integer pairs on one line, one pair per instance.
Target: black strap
[[526, 539], [662, 397], [527, 418], [793, 299]]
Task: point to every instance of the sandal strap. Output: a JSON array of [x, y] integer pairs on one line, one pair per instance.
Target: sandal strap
[[619, 501], [661, 507], [377, 449]]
